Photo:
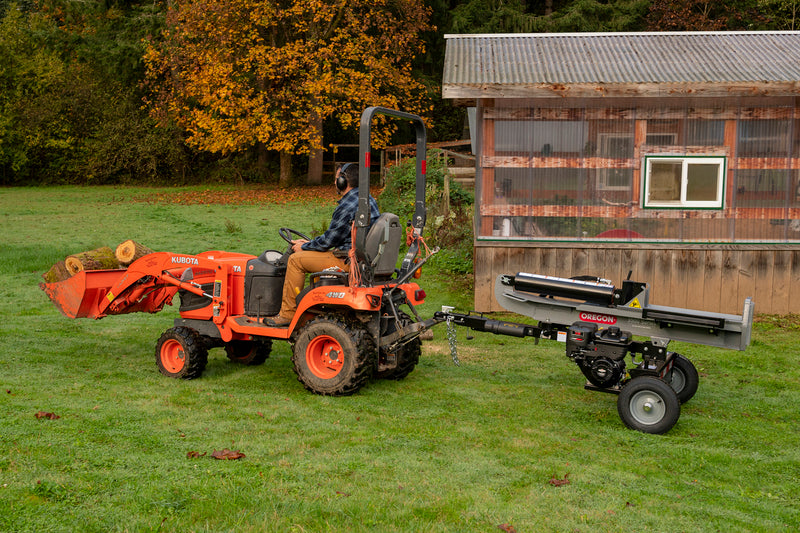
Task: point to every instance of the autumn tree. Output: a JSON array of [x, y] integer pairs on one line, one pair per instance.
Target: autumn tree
[[704, 15], [242, 73]]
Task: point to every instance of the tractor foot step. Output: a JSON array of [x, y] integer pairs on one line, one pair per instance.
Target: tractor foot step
[[250, 322]]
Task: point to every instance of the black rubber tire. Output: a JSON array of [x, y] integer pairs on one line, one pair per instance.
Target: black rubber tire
[[181, 353], [649, 405], [250, 353], [332, 357], [407, 355], [683, 378]]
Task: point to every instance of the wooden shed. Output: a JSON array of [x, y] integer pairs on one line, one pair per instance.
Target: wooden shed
[[672, 155]]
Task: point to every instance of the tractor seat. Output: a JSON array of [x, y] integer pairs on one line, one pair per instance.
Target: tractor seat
[[382, 247]]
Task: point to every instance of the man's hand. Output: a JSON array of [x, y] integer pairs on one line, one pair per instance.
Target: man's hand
[[297, 243]]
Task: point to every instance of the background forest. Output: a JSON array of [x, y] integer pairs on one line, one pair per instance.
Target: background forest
[[122, 91]]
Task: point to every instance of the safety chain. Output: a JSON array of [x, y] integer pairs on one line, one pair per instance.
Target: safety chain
[[451, 338]]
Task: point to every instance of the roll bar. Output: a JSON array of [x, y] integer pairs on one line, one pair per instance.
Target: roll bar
[[362, 220]]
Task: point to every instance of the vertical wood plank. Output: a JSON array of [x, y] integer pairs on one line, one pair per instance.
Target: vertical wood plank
[[483, 267], [695, 278], [712, 280], [781, 280], [486, 174], [563, 264], [639, 139], [596, 263], [500, 267], [763, 263], [730, 136], [794, 284], [517, 260], [547, 265], [628, 263], [662, 278], [747, 284], [729, 293], [612, 268], [580, 261], [679, 279], [642, 266]]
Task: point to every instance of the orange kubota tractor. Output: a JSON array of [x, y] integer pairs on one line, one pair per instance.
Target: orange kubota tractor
[[349, 326]]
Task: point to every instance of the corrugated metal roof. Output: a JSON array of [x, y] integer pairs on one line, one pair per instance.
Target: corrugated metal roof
[[493, 65]]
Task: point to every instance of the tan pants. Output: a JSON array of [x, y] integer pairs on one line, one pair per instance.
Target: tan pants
[[301, 263]]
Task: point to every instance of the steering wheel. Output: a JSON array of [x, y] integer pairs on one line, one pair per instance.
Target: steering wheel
[[286, 235]]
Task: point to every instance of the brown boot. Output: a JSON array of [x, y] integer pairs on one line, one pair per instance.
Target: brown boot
[[277, 321]]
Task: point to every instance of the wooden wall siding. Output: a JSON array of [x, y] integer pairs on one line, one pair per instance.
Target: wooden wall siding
[[639, 116], [608, 211], [717, 279], [739, 163], [643, 109]]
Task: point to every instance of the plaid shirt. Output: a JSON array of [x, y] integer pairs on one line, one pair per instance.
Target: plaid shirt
[[338, 233]]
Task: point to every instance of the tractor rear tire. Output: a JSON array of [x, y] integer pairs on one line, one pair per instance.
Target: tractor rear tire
[[250, 353], [407, 355], [407, 359], [333, 357], [649, 405], [181, 353], [683, 378]]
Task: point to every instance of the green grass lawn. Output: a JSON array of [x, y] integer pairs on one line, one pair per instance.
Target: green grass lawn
[[467, 448]]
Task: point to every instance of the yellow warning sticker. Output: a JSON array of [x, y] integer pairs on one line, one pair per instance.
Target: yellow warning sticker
[[110, 297], [635, 303]]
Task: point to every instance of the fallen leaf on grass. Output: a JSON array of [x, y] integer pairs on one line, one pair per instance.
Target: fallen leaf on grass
[[508, 528], [227, 454], [340, 493], [49, 416], [194, 455], [560, 482]]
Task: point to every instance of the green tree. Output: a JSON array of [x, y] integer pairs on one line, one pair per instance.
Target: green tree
[[518, 16], [70, 110], [29, 72], [783, 14]]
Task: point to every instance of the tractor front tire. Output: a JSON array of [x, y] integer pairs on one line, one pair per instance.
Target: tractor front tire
[[181, 353], [332, 357], [649, 405], [250, 353]]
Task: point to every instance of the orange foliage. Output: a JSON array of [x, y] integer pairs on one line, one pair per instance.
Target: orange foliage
[[234, 73]]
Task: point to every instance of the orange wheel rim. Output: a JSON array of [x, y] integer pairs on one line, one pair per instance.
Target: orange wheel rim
[[172, 356], [325, 357]]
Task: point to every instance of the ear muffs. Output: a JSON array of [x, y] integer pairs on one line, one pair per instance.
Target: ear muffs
[[341, 179]]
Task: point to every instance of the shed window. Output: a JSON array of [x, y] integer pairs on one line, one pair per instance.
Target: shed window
[[684, 182]]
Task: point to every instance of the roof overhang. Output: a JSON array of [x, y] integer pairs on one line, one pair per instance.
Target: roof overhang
[[596, 65]]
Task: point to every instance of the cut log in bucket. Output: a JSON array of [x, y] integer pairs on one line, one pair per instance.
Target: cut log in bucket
[[102, 258], [129, 251]]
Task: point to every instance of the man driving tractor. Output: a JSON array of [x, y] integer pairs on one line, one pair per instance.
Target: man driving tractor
[[329, 250]]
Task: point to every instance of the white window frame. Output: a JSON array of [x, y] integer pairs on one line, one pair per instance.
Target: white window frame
[[686, 161]]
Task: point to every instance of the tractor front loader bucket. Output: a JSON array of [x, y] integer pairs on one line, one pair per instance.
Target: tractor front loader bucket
[[145, 286], [82, 295]]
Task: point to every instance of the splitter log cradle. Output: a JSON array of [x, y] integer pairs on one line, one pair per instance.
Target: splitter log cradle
[[598, 322]]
